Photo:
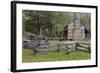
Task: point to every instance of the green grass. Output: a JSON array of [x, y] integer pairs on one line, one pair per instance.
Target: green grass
[[27, 56]]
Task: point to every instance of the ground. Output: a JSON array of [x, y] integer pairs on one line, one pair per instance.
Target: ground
[[54, 56], [27, 55]]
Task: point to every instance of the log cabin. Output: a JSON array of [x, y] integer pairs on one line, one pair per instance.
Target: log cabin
[[74, 30]]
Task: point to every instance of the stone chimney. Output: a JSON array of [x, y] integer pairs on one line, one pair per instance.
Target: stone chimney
[[76, 18]]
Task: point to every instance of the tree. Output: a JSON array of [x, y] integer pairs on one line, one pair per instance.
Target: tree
[[44, 22], [85, 19], [36, 21]]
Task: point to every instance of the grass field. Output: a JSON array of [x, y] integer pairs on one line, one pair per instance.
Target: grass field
[[54, 56], [27, 55]]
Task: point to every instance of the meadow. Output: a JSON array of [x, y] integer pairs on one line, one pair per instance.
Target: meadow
[[54, 56]]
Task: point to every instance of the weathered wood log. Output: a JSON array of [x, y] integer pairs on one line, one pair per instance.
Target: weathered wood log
[[40, 43], [87, 47], [85, 43], [70, 47]]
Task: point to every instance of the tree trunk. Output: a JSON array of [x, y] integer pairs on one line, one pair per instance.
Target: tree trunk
[[39, 27], [88, 25], [73, 30]]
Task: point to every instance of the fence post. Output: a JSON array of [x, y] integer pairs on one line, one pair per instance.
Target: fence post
[[76, 48]]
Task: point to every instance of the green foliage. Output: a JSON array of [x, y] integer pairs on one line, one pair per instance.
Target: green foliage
[[35, 20], [50, 22], [85, 19]]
